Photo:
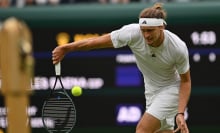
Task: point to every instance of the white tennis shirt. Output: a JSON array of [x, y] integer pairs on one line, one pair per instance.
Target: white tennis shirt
[[171, 58]]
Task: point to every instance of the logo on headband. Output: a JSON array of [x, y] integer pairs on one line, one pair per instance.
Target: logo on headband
[[144, 22], [151, 22]]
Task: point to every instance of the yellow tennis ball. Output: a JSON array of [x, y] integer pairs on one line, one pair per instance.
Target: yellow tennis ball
[[76, 91]]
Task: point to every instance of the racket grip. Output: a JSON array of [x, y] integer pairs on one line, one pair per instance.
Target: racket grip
[[58, 68]]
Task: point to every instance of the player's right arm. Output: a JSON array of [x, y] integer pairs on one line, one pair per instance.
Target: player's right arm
[[103, 41]]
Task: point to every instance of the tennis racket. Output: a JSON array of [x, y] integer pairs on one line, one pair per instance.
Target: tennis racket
[[58, 112]]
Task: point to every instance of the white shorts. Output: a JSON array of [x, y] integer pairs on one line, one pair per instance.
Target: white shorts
[[163, 104]]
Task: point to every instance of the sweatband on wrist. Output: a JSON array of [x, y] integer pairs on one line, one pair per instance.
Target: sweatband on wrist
[[179, 114]]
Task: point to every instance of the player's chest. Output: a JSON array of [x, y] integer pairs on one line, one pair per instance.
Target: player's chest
[[159, 58]]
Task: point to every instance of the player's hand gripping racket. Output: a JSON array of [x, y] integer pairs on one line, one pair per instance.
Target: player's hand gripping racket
[[58, 112]]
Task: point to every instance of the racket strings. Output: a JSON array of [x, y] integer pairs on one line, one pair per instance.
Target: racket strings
[[62, 112], [59, 113]]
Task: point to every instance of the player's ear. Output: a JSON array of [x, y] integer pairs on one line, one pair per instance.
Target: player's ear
[[162, 27]]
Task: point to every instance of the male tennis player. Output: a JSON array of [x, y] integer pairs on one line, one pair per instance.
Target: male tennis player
[[161, 56]]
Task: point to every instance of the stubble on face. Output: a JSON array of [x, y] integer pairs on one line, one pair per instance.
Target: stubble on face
[[153, 35]]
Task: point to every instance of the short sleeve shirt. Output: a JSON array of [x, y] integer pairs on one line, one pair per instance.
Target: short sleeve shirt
[[161, 70]]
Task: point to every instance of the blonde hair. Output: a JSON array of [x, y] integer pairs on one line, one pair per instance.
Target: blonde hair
[[156, 11]]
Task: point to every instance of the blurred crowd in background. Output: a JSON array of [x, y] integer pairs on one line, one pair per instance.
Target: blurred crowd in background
[[22, 3]]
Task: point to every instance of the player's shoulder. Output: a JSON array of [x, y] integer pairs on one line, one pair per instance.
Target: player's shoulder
[[132, 26], [172, 35], [133, 30], [176, 45], [174, 39]]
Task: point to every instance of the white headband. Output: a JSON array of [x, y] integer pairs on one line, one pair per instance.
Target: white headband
[[151, 22]]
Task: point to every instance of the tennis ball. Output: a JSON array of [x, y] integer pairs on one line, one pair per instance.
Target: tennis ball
[[76, 91]]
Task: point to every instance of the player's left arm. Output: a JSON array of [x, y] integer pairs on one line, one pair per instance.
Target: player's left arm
[[184, 95], [185, 91], [183, 68]]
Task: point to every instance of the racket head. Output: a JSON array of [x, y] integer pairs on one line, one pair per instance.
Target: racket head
[[59, 113]]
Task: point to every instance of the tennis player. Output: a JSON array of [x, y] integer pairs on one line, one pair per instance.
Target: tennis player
[[161, 56]]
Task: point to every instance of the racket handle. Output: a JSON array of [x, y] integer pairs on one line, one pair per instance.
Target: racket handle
[[58, 68]]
